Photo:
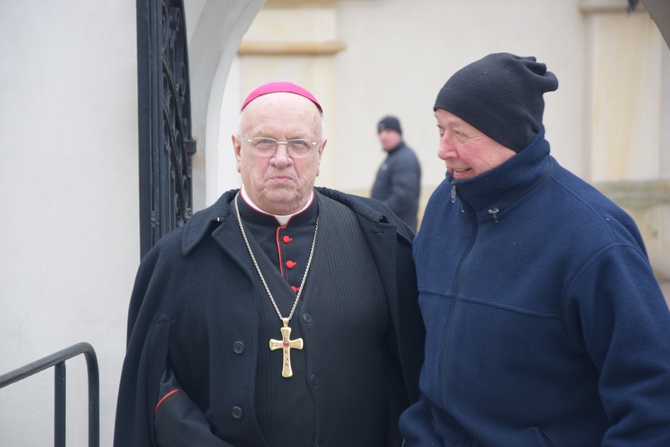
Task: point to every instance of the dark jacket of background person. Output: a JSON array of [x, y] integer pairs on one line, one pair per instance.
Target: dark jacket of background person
[[195, 302], [545, 324], [398, 184]]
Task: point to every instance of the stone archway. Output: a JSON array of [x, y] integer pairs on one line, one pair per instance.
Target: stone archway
[[217, 30]]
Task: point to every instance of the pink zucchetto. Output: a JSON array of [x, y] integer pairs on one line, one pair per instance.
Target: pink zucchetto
[[280, 87]]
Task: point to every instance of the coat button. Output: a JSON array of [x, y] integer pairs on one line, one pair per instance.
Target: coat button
[[291, 264], [238, 347], [287, 239], [307, 317], [236, 412], [314, 378]]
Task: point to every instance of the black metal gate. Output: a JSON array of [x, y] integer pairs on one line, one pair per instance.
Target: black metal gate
[[165, 140]]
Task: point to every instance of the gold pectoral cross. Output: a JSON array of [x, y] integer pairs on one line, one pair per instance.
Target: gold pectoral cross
[[286, 344]]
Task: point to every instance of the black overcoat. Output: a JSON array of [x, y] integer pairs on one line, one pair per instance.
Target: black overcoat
[[194, 294]]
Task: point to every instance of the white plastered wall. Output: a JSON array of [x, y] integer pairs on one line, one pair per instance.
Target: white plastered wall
[[70, 238]]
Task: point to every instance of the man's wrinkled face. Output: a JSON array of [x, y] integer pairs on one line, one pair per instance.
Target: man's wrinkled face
[[467, 151], [279, 183]]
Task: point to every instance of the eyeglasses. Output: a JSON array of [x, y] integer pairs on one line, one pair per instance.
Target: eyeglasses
[[297, 148]]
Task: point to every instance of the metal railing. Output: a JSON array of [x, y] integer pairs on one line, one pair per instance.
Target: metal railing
[[57, 360]]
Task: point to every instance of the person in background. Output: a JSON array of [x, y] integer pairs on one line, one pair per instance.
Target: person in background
[[398, 180], [545, 324], [283, 315]]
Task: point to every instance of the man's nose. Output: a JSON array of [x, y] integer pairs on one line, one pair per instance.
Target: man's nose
[[446, 149], [281, 156]]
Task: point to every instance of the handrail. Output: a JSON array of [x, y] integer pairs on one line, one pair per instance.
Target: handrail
[[57, 360]]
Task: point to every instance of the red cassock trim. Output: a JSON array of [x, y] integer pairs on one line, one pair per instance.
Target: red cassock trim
[[160, 402]]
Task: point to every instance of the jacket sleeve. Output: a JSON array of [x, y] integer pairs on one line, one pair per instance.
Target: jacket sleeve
[[132, 425], [142, 367], [624, 324]]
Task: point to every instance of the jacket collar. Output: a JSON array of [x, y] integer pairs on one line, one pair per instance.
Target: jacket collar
[[222, 214], [199, 224], [395, 149], [500, 187]]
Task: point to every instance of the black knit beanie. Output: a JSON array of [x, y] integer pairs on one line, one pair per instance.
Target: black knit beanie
[[389, 122], [501, 95]]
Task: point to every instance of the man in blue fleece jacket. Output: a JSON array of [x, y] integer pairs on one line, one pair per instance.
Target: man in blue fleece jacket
[[545, 324]]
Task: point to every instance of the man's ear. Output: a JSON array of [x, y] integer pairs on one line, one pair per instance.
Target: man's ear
[[237, 147], [322, 146]]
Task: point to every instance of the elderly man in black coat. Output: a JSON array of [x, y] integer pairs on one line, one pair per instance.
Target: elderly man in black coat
[[284, 315]]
